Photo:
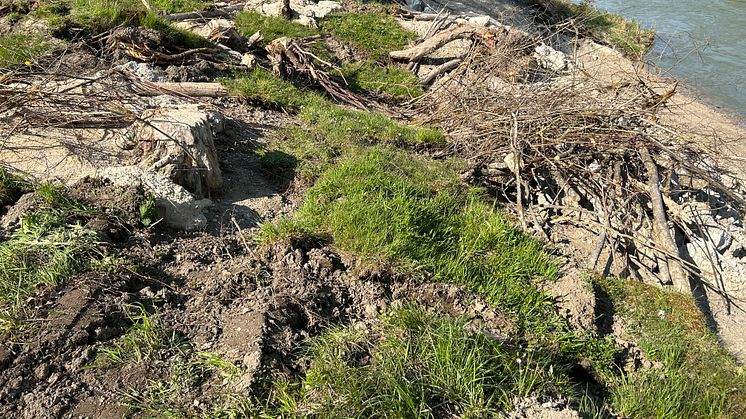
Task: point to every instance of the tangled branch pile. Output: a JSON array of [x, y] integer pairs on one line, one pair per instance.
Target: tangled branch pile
[[566, 153]]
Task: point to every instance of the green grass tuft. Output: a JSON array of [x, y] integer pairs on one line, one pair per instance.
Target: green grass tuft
[[213, 361], [397, 209], [394, 207], [391, 80], [100, 15], [172, 36], [144, 337], [260, 85], [338, 125], [147, 211], [329, 130], [372, 34], [413, 365], [15, 49], [696, 378], [50, 244], [278, 163], [248, 23], [11, 187], [177, 6]]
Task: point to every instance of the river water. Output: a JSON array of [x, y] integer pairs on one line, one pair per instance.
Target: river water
[[702, 42]]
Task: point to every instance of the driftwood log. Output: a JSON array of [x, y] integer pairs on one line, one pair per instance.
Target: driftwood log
[[432, 44]]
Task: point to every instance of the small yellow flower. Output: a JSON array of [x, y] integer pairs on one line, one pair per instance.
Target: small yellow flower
[[27, 62]]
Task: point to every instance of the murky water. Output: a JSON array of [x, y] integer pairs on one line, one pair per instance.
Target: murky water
[[701, 42]]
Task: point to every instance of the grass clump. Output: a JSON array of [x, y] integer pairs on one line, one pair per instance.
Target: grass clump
[[373, 34], [697, 378], [172, 36], [617, 31], [142, 338], [329, 130], [338, 125], [173, 395], [393, 207], [396, 209], [389, 80], [414, 365], [50, 244], [177, 371], [177, 6], [18, 48], [248, 23], [101, 15], [11, 187], [260, 85]]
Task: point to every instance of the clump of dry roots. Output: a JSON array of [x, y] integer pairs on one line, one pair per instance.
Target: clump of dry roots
[[566, 155]]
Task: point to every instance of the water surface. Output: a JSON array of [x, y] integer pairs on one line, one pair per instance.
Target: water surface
[[701, 42]]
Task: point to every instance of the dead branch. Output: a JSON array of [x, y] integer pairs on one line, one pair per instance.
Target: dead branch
[[191, 89], [432, 44], [291, 60], [439, 70], [671, 270], [580, 158]]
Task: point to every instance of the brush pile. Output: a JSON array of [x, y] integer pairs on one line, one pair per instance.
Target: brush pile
[[567, 154]]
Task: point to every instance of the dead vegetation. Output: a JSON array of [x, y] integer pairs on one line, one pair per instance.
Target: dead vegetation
[[565, 152]]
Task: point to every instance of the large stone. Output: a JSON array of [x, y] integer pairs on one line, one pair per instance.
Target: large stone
[[217, 30], [178, 208], [178, 140], [549, 58], [304, 12]]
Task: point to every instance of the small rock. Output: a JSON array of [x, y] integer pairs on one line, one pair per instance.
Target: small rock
[[42, 371], [143, 71], [321, 9], [480, 20]]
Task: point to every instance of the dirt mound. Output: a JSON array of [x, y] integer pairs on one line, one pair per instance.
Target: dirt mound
[[42, 377]]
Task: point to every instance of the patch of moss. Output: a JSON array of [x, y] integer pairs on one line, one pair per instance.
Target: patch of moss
[[390, 80], [271, 28], [372, 34]]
